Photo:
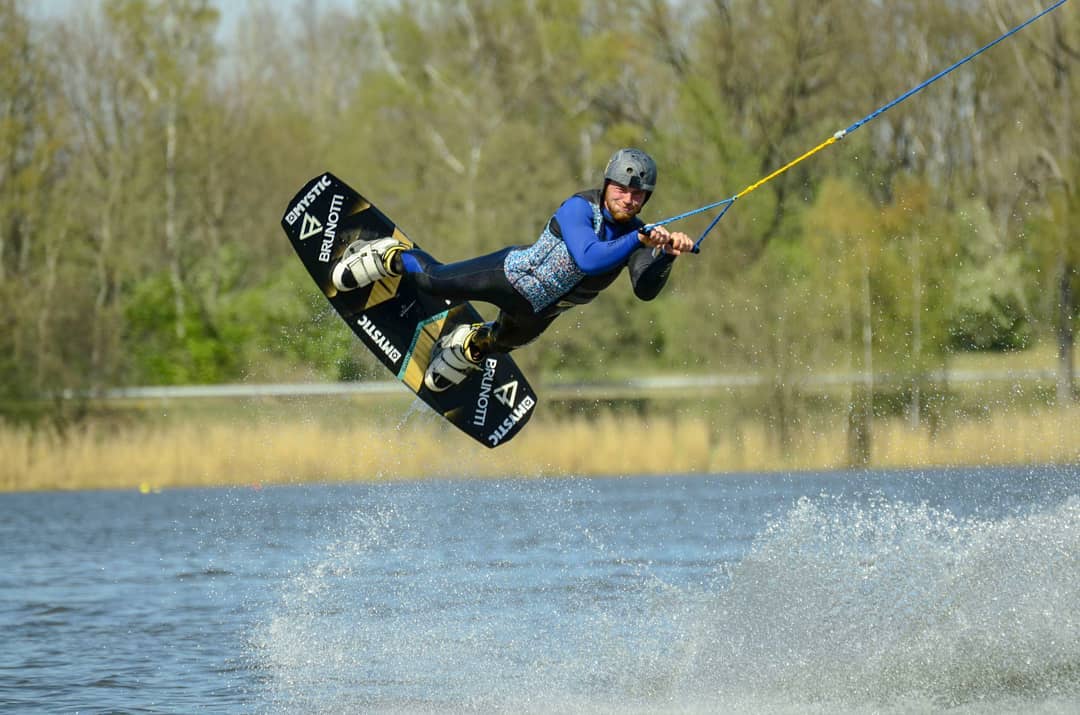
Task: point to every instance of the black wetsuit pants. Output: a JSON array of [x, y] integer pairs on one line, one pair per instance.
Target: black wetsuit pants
[[484, 279]]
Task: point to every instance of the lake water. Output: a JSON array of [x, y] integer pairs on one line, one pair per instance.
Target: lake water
[[913, 591]]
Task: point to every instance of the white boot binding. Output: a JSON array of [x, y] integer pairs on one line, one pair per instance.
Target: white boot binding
[[451, 361], [365, 262]]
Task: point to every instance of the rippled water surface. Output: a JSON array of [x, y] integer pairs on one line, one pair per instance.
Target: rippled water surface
[[911, 591]]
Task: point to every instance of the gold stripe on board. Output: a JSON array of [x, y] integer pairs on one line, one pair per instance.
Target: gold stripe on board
[[420, 355]]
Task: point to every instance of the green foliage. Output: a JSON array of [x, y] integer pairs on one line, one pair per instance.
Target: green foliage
[[989, 311], [196, 351], [291, 322]]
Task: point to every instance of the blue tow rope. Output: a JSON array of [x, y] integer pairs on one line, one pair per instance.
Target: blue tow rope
[[727, 203]]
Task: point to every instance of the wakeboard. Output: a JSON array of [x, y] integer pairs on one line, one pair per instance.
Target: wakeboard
[[398, 323]]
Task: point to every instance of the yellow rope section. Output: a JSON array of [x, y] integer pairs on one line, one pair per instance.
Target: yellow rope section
[[831, 140]]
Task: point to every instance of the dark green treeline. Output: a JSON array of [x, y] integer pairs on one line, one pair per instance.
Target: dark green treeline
[[146, 159]]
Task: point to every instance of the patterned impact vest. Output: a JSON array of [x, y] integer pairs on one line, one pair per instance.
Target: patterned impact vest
[[545, 273]]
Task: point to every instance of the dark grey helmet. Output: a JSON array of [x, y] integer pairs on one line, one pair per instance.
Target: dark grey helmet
[[632, 168]]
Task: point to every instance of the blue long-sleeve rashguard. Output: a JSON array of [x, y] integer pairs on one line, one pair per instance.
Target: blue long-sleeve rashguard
[[592, 253]]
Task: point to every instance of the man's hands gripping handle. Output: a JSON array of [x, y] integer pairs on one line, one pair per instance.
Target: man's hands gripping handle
[[663, 241]]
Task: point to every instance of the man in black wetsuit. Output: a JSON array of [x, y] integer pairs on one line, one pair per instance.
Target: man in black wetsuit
[[584, 246]]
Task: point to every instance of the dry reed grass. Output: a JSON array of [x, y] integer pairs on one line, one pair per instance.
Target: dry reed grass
[[188, 452]]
